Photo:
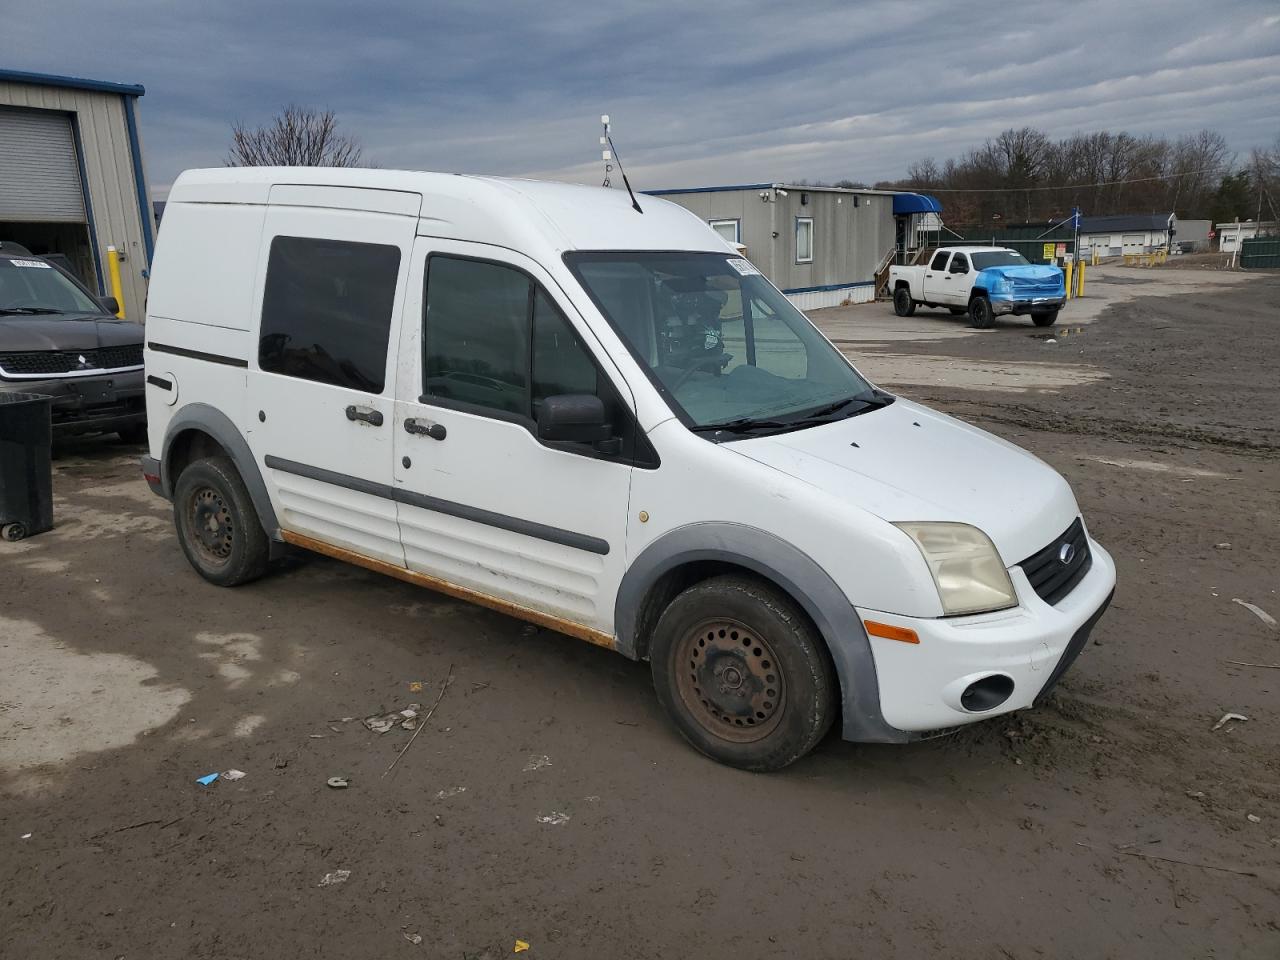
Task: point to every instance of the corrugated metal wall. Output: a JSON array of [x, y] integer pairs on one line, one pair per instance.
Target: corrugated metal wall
[[109, 174], [849, 239]]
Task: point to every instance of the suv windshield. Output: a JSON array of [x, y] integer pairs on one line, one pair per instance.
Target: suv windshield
[[32, 286], [722, 344], [998, 258]]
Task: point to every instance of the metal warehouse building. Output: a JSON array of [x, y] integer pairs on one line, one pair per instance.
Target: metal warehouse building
[[822, 246], [72, 180]]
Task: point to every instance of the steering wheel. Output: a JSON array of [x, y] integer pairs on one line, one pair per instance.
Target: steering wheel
[[716, 363]]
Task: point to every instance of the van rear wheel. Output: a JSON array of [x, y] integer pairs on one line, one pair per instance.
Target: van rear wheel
[[742, 673], [218, 527]]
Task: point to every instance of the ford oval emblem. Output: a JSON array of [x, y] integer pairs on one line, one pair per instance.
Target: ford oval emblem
[[1066, 553]]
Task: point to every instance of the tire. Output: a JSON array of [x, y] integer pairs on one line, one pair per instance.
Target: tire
[[775, 694], [980, 313], [903, 305], [1045, 318], [137, 433], [233, 547]]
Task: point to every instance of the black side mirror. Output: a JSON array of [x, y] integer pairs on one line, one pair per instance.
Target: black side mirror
[[110, 304], [573, 418]]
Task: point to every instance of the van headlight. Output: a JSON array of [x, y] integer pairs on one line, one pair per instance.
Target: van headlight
[[970, 575]]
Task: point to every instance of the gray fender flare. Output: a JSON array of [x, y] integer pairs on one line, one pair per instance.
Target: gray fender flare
[[793, 571], [210, 420]]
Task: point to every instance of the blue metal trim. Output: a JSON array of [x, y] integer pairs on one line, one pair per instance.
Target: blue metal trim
[[830, 286], [75, 83], [88, 203], [140, 183], [741, 186]]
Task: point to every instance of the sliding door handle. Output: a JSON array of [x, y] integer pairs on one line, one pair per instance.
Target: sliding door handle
[[425, 428], [366, 414]]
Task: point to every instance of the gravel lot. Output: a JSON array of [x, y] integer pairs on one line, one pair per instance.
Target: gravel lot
[[547, 800]]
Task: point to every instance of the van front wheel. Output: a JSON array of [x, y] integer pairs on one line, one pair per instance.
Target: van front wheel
[[218, 527], [743, 674]]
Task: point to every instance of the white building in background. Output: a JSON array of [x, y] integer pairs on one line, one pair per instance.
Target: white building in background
[[1122, 234], [1231, 234]]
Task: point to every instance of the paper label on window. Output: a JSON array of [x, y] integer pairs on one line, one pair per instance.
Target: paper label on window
[[744, 267], [31, 263]]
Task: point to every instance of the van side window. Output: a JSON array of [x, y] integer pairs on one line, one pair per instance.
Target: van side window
[[493, 338], [326, 311], [476, 343], [939, 260]]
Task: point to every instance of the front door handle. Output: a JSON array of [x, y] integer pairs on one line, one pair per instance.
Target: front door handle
[[425, 428], [367, 414]]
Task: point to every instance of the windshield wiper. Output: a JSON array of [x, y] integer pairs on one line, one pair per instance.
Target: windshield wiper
[[870, 401], [740, 425], [28, 310]]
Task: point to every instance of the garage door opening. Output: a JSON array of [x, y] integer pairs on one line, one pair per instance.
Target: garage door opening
[[42, 201]]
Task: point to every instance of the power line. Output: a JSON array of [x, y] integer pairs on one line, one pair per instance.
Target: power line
[[1065, 186]]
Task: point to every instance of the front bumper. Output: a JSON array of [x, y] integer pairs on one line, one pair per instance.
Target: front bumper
[[112, 401], [1021, 306], [1032, 644]]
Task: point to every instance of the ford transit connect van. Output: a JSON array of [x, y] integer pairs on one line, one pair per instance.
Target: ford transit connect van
[[605, 421]]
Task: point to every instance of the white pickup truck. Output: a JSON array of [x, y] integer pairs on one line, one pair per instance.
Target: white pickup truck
[[982, 282]]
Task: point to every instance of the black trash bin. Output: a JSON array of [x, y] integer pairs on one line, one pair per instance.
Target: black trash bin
[[26, 469]]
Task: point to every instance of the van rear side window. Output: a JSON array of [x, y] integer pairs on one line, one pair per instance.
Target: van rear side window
[[326, 311]]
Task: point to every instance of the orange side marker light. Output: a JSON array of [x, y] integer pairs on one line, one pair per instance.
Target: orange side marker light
[[890, 632]]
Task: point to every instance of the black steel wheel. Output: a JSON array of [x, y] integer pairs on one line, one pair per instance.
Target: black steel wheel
[[980, 313], [903, 305], [217, 525], [743, 674]]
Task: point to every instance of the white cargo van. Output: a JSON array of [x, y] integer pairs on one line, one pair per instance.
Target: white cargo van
[[601, 420]]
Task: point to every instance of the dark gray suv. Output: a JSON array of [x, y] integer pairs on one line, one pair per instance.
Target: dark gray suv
[[57, 339]]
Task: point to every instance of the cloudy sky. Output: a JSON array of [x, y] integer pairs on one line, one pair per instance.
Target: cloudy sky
[[699, 93]]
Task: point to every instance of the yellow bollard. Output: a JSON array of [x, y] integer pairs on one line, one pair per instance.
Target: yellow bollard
[[1080, 280], [113, 269], [1068, 272]]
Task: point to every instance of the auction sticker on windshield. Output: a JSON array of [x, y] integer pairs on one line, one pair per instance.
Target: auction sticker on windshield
[[744, 267], [31, 263]]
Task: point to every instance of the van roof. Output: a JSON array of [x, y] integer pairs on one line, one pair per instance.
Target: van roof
[[522, 214]]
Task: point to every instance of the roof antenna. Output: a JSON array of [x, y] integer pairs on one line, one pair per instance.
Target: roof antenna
[[611, 155]]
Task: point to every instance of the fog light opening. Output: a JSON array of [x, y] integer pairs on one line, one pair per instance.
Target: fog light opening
[[987, 693]]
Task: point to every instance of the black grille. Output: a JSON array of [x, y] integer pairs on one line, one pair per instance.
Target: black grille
[[54, 362], [1049, 576]]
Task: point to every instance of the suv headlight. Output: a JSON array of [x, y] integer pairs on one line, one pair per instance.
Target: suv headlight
[[970, 575]]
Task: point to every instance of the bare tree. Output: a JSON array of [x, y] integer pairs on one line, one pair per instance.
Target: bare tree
[[296, 137]]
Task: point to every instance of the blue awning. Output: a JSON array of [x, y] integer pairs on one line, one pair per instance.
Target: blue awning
[[904, 203]]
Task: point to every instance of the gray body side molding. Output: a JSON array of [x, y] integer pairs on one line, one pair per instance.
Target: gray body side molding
[[793, 571], [210, 420]]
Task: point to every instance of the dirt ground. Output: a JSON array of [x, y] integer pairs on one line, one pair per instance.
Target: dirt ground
[[547, 800]]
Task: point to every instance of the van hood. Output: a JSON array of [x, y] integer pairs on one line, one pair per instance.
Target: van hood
[[906, 462], [20, 333]]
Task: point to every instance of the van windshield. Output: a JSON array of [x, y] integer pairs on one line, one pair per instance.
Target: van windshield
[[722, 344], [998, 258]]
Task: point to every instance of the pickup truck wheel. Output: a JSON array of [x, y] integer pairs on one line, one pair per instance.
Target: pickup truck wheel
[[903, 305], [218, 527], [743, 674], [1045, 318], [980, 313]]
